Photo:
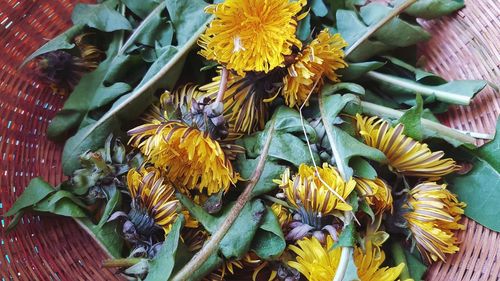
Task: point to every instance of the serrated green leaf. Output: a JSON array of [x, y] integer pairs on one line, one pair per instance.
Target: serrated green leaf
[[100, 16], [269, 241], [363, 206], [304, 28], [347, 237], [114, 199], [355, 71], [362, 168], [161, 267], [431, 9], [108, 235], [479, 188], [318, 8], [415, 265]]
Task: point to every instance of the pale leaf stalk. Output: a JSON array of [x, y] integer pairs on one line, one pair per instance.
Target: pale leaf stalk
[[394, 13], [213, 243], [222, 85], [138, 30], [444, 96], [378, 110]]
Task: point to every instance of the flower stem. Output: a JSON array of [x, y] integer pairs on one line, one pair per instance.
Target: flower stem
[[222, 85], [399, 257], [394, 13], [121, 262], [344, 261], [277, 201], [407, 84], [378, 110], [213, 243], [141, 27]]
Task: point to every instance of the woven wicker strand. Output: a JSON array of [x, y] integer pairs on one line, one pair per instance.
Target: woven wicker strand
[[464, 46]]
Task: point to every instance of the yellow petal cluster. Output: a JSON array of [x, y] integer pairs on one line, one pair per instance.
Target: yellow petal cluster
[[251, 35], [406, 156], [318, 262], [376, 192], [313, 191], [433, 214], [317, 61]]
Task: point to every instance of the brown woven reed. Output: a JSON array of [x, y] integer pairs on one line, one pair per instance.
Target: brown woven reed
[[464, 46]]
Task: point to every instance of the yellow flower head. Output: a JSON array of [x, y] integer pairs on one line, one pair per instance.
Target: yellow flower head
[[251, 35], [432, 213], [368, 263], [405, 155], [318, 262], [187, 155], [250, 267], [377, 193], [320, 59], [246, 105], [307, 191], [315, 261], [153, 201]]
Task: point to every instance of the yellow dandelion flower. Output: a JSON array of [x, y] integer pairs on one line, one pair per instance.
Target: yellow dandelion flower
[[187, 155], [306, 191], [318, 262], [376, 192], [406, 156], [246, 102], [368, 263], [433, 213], [153, 201], [315, 261], [320, 59], [251, 35], [250, 267]]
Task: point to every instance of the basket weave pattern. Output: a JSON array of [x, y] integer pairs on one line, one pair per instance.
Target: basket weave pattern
[[464, 46]]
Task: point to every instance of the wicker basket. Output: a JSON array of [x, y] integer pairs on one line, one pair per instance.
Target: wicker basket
[[42, 248]]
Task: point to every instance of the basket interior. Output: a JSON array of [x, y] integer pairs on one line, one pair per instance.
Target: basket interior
[[464, 46]]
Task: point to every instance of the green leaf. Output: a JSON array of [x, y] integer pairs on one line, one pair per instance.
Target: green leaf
[[100, 16], [187, 17], [351, 273], [411, 119], [304, 28], [158, 30], [269, 241], [479, 188], [319, 8], [397, 32], [355, 71], [63, 203], [415, 266], [114, 199], [431, 9], [239, 237], [161, 267], [347, 237], [346, 145], [36, 191], [363, 206], [63, 41], [287, 146], [141, 8], [362, 168], [128, 107], [108, 236]]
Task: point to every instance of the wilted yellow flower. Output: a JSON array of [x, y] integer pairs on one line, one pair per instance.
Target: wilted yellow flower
[[320, 59], [250, 267], [369, 262], [245, 106], [284, 216], [376, 192], [405, 155], [432, 213], [188, 155], [153, 201], [306, 191], [251, 35], [319, 262]]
